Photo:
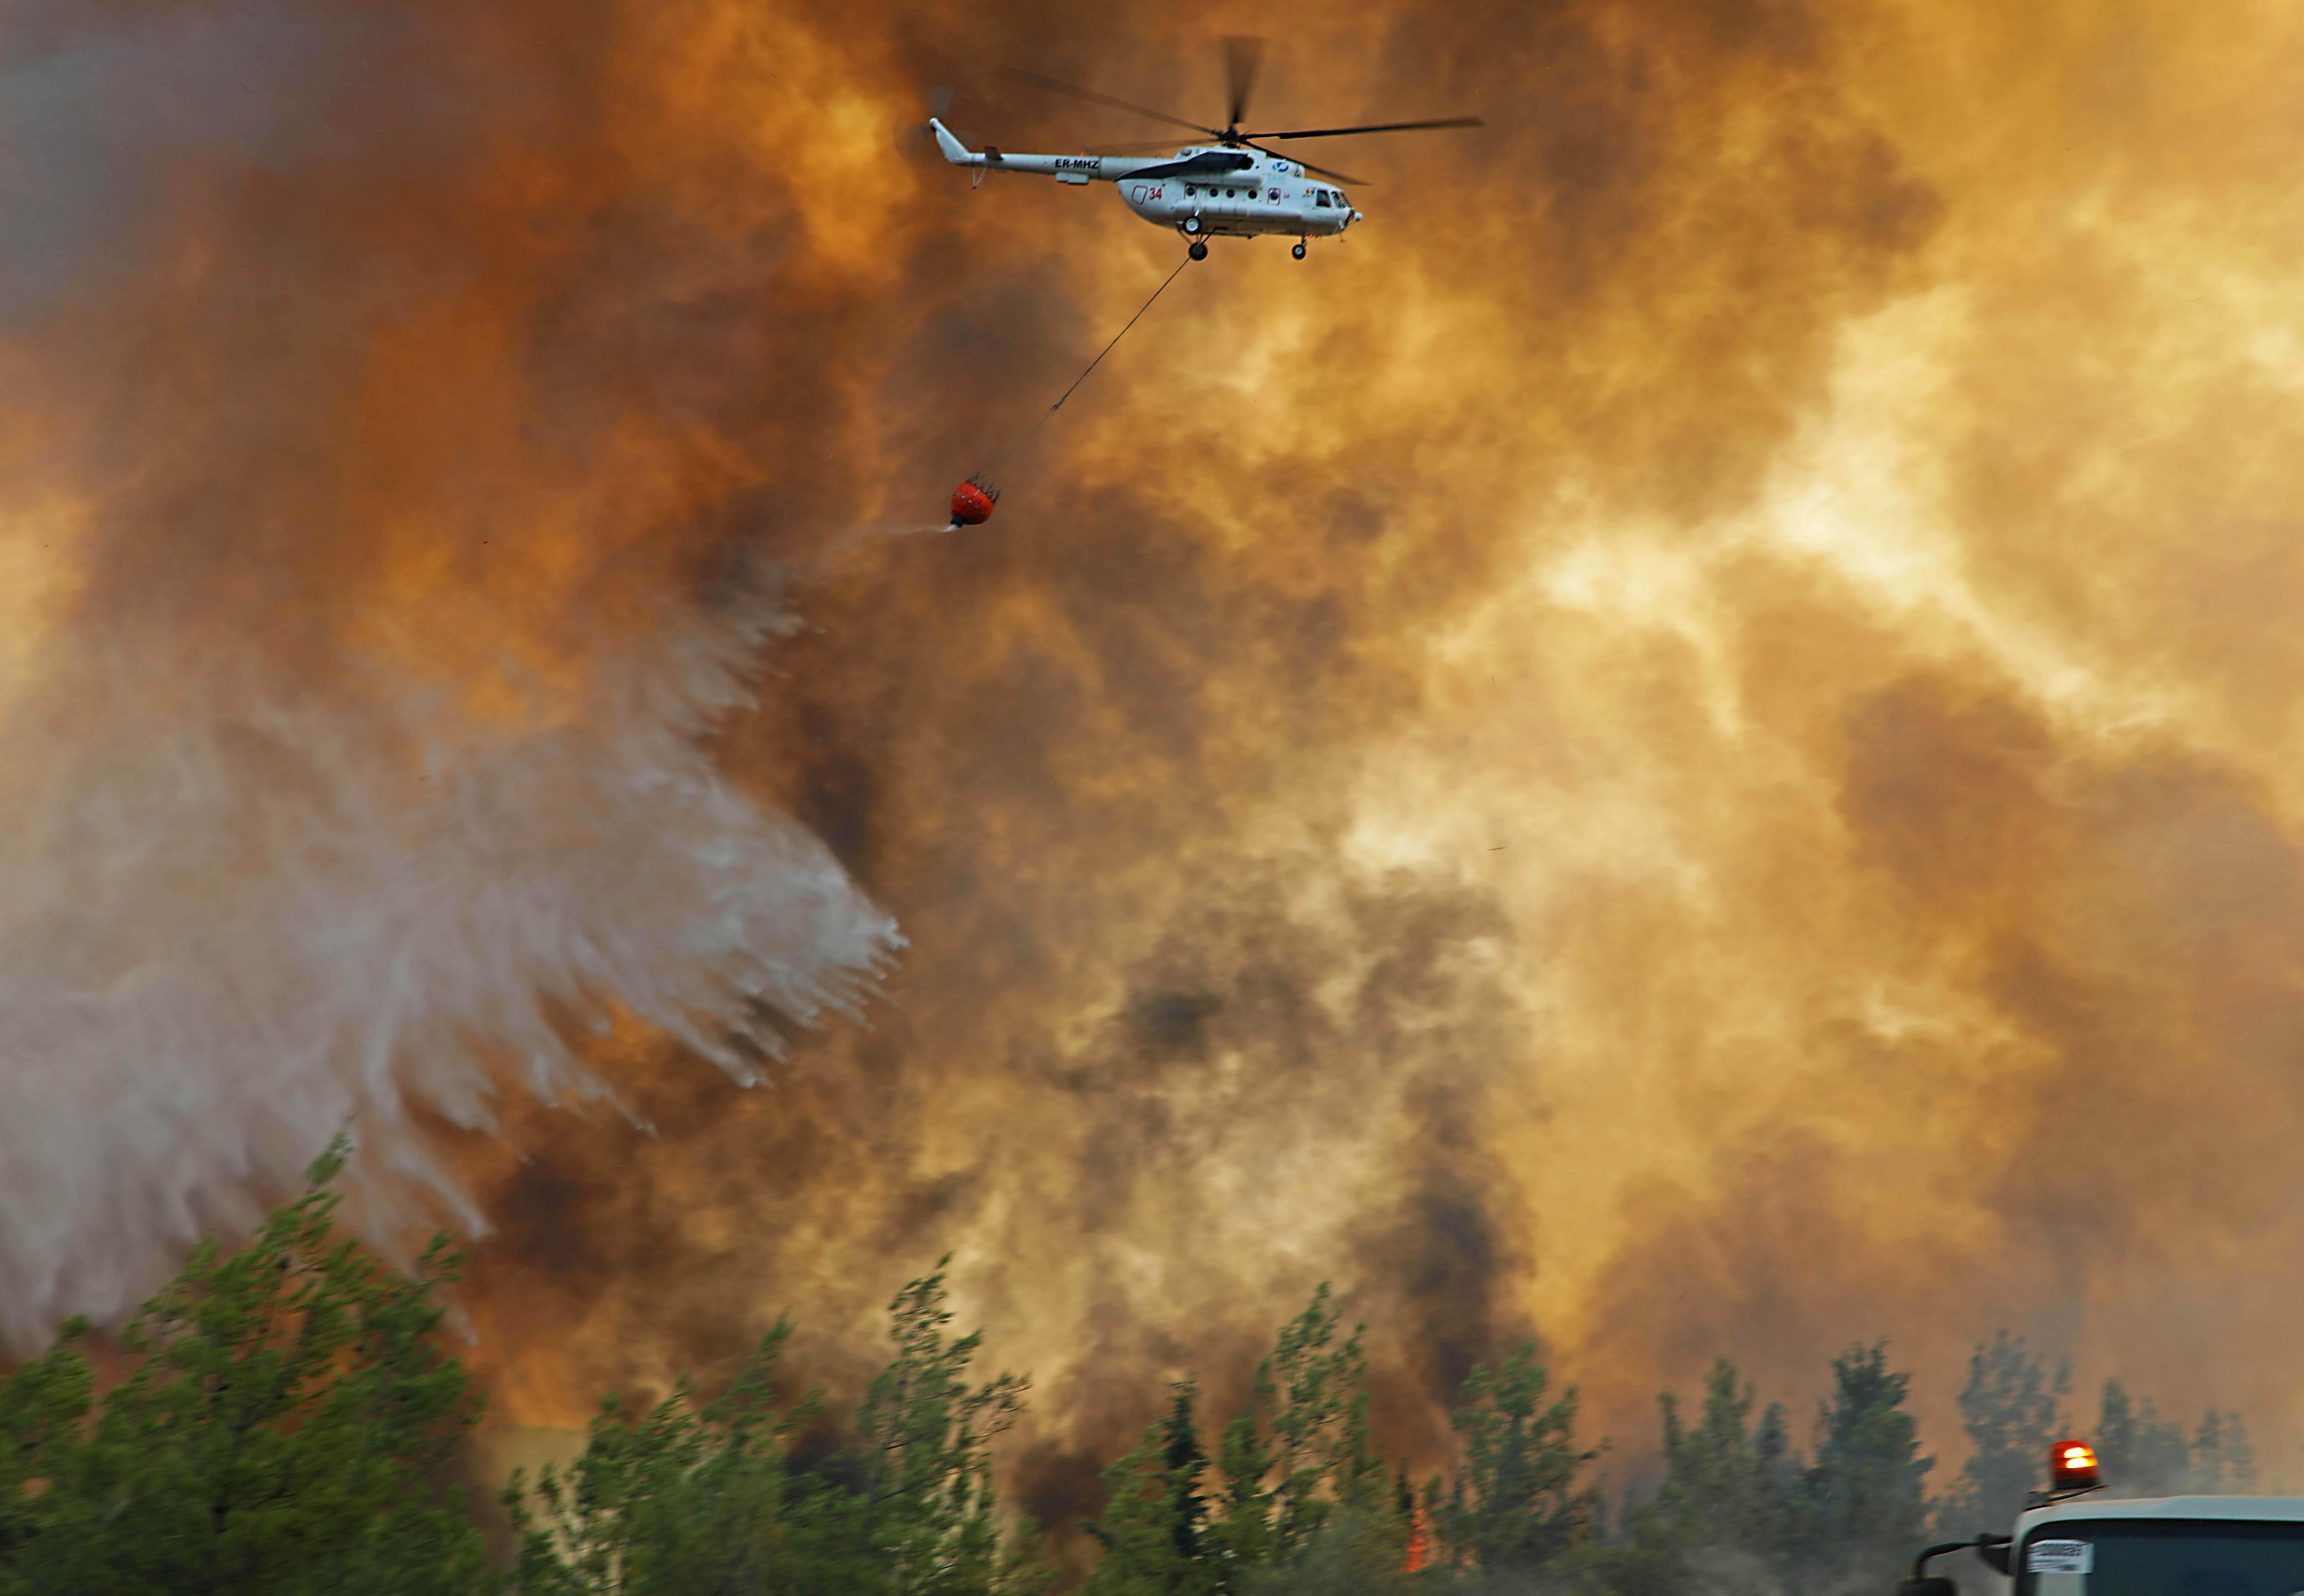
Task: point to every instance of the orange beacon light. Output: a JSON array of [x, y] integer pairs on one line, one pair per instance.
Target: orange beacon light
[[2073, 1467]]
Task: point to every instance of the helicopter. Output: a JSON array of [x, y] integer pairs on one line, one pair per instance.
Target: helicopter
[[1233, 187]]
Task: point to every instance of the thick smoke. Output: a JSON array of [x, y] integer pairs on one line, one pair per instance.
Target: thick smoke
[[353, 751], [1681, 743]]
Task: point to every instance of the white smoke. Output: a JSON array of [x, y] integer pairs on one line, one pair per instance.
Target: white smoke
[[240, 913]]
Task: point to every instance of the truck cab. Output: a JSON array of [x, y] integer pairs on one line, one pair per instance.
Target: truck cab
[[2161, 1546], [2070, 1543]]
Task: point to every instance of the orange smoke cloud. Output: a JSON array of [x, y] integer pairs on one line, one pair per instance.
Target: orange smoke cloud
[[1679, 743]]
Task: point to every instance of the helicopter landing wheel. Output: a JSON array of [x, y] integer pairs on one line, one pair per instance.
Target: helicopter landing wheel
[[1299, 250], [1198, 252]]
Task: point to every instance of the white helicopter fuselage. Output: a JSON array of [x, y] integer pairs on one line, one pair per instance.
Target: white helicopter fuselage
[[1200, 190]]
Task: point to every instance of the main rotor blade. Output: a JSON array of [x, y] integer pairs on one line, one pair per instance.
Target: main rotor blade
[[1379, 127], [1053, 86], [1243, 54], [1309, 166]]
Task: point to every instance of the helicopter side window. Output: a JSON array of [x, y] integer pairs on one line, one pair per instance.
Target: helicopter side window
[[1321, 199]]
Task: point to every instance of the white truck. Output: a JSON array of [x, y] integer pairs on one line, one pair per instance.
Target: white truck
[[2150, 1546]]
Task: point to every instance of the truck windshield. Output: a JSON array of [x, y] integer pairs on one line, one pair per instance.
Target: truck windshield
[[2164, 1556]]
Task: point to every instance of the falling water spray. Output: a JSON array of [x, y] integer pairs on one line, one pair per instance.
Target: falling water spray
[[240, 911]]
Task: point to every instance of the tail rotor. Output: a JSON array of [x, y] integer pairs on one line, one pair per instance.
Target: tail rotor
[[918, 138]]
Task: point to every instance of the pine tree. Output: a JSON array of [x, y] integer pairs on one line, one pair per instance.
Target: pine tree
[[1155, 1516], [687, 1501], [2012, 1411], [2140, 1453], [683, 1503], [1724, 1478], [1303, 1453], [282, 1429], [1515, 1504], [1862, 1510], [2222, 1461], [1726, 1515], [925, 1436]]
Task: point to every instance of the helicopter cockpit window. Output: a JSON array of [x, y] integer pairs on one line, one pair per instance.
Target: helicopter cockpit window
[[1322, 201]]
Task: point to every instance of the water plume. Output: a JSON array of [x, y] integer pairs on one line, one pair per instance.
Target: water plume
[[241, 909]]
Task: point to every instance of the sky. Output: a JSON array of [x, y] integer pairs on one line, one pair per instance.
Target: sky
[[1680, 745]]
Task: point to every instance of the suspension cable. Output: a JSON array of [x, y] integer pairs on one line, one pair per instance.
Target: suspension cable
[[1005, 455], [1117, 336]]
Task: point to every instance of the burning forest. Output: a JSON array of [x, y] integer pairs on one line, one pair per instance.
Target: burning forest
[[1673, 750]]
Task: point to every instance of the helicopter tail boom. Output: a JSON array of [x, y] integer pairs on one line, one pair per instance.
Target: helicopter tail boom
[[1064, 168], [954, 151]]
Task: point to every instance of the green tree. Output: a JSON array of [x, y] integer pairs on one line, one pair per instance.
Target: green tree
[[283, 1429], [1862, 1510], [925, 1436], [2221, 1459], [1725, 1514], [1296, 1493], [684, 1503], [44, 1408], [2141, 1453], [1516, 1503], [1732, 1482], [2012, 1411], [1302, 1452], [1153, 1530]]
